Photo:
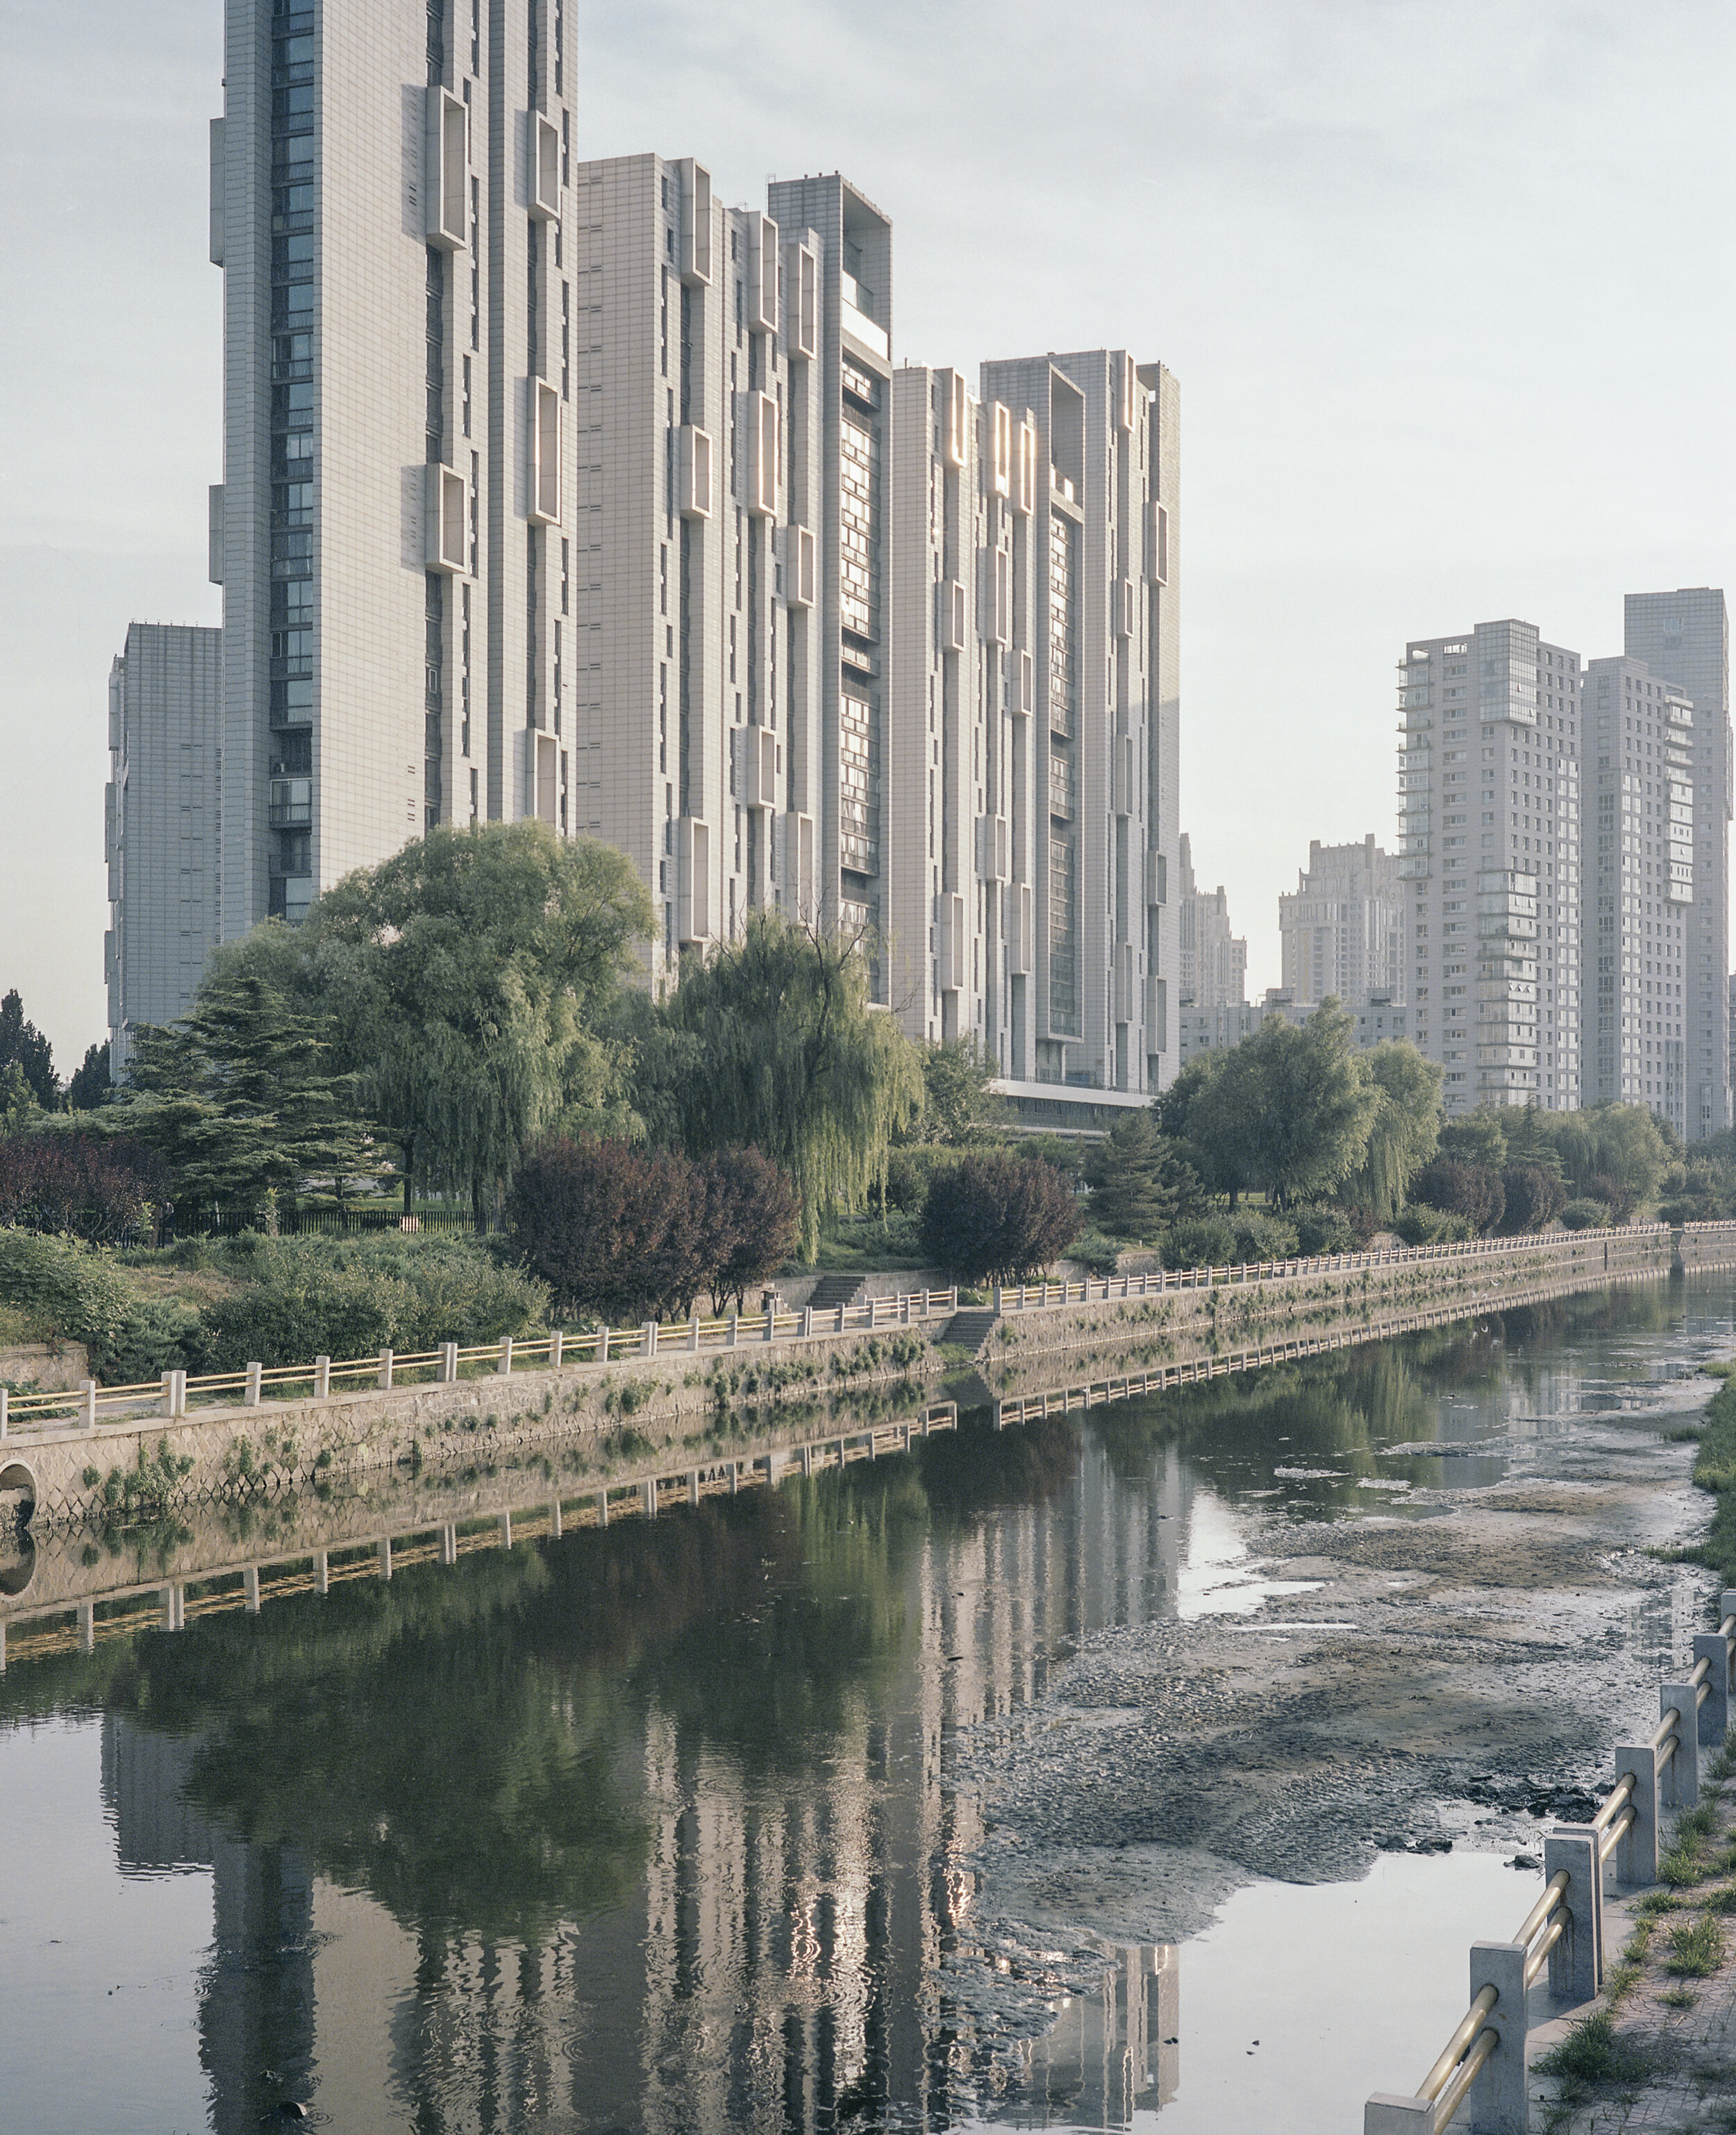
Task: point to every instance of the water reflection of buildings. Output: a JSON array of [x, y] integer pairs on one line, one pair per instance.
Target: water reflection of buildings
[[779, 1962]]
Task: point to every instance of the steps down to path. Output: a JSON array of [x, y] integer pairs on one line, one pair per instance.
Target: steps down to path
[[969, 1330], [832, 1290]]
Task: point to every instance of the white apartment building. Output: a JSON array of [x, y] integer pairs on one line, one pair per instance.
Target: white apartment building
[[1489, 854], [1375, 1022], [699, 609], [396, 532], [961, 686], [1103, 719], [1639, 845], [1342, 931], [1684, 639], [162, 823], [1212, 963]]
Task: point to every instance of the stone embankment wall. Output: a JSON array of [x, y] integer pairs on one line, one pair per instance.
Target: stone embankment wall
[[586, 1420], [581, 1417]]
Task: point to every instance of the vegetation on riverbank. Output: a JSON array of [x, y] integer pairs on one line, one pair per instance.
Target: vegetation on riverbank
[[1714, 1469]]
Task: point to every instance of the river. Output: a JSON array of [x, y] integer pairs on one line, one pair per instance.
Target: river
[[1094, 1772]]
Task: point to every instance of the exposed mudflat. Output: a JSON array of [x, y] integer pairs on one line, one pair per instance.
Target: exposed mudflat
[[1446, 1668]]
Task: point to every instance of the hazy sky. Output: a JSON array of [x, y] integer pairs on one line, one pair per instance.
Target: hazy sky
[[1449, 289]]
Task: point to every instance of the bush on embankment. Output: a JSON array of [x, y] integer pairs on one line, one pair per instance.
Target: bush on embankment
[[1714, 1469], [279, 1300]]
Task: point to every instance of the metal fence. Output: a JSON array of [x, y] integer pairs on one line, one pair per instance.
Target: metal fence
[[1484, 2059]]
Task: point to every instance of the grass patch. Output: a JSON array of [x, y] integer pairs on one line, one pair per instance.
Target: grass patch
[[1696, 1950], [1679, 1998], [1684, 1434], [1594, 2056], [1723, 1764], [1714, 1469]]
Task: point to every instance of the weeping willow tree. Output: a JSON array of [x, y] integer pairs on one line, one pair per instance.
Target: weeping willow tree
[[1404, 1131], [468, 973], [787, 1053]]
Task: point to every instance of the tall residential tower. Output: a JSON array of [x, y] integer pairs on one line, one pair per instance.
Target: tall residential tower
[[1489, 823], [1342, 931], [1684, 639]]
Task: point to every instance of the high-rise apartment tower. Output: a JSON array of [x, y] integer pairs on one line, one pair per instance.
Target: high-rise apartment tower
[[396, 530], [163, 823], [1684, 638], [1489, 822], [1212, 963], [1342, 931], [1639, 844]]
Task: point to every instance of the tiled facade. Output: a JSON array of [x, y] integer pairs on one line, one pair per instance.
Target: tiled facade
[[1210, 961], [163, 823], [1684, 639], [1489, 801], [393, 530], [1639, 840], [1375, 1022], [1342, 931]]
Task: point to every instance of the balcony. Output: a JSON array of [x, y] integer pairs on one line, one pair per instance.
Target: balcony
[[290, 803]]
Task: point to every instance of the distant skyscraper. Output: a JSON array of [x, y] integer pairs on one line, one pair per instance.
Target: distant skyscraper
[[1342, 931], [1211, 962], [1489, 823], [396, 527], [163, 823], [1684, 638], [1639, 845]]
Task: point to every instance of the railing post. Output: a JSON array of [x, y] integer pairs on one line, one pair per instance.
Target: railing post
[[448, 1363], [1715, 1715], [648, 1337], [255, 1373], [87, 1413], [168, 1393], [385, 1367], [1681, 1787], [998, 1294], [557, 1342], [506, 1364], [1636, 1854], [693, 1332], [603, 1344], [807, 1323], [771, 1322], [321, 1381], [5, 1396], [1576, 1963], [1497, 2103], [729, 1340]]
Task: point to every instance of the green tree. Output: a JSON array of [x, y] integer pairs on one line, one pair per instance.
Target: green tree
[[23, 1043], [91, 1081], [1204, 1111], [1405, 1129], [1308, 1107], [959, 1103], [469, 974], [1480, 1138], [19, 1110], [1139, 1185], [1004, 1218], [791, 1056]]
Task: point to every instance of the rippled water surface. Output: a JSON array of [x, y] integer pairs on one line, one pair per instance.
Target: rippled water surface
[[654, 1828]]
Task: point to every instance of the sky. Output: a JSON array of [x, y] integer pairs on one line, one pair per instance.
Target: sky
[[1448, 289]]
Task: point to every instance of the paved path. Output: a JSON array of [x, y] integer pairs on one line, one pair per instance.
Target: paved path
[[1676, 2033]]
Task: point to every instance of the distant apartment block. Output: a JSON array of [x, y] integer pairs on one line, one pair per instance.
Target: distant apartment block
[[397, 532], [163, 817], [1212, 963], [1640, 847], [1684, 639], [1489, 801], [1377, 1021], [1342, 931]]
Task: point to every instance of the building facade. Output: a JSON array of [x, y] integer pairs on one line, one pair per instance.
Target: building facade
[[1342, 931], [700, 613], [1489, 803], [394, 533], [1212, 963], [1639, 848], [1377, 1021], [1104, 694], [1684, 639], [162, 823]]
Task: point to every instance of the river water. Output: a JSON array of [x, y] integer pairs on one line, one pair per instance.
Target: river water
[[686, 1825]]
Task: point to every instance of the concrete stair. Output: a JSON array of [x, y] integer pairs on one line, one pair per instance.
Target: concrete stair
[[971, 1330], [832, 1290]]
